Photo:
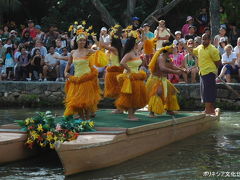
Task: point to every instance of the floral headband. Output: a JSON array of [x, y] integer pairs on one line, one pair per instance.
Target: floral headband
[[81, 31]]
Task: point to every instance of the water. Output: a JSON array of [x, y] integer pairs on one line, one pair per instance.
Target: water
[[216, 150]]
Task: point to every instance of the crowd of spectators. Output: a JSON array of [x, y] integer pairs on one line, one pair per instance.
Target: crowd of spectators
[[29, 54]]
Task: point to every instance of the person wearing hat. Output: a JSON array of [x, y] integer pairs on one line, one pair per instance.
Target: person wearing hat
[[40, 34], [178, 35], [191, 32], [161, 34], [104, 36], [147, 33], [221, 45], [13, 35], [185, 28], [135, 23], [222, 33], [31, 29]]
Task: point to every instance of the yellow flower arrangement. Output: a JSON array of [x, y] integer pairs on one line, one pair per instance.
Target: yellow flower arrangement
[[40, 128], [34, 134], [29, 141], [70, 28], [91, 123], [52, 146], [84, 22], [44, 129], [42, 144]]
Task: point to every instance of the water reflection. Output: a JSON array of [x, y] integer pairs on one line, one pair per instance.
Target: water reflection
[[214, 150]]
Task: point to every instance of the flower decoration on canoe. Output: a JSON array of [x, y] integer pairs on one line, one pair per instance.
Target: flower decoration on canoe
[[81, 30], [44, 129]]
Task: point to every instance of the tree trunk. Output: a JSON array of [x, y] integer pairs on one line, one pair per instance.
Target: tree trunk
[[1, 19], [106, 17], [214, 17], [129, 11], [161, 12], [159, 4]]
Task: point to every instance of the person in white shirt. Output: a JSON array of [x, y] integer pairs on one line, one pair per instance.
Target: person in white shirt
[[51, 63], [178, 35], [162, 34], [104, 36], [229, 64], [237, 50], [8, 44], [3, 73]]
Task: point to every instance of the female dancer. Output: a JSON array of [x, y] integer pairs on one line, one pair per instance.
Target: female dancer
[[112, 87], [133, 91], [82, 89]]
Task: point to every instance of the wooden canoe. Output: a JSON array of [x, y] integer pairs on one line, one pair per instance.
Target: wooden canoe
[[111, 146], [12, 144]]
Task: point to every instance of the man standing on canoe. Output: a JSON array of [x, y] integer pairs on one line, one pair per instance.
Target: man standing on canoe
[[161, 92], [208, 62]]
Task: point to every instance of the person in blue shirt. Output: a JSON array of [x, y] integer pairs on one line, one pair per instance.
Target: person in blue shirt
[[147, 31]]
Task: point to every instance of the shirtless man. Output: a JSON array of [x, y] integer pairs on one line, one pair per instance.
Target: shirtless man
[[161, 92]]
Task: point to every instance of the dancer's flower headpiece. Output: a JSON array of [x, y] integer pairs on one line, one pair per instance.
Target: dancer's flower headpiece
[[132, 33], [81, 31], [114, 31]]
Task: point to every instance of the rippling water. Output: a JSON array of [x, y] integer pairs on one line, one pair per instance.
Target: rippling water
[[215, 150]]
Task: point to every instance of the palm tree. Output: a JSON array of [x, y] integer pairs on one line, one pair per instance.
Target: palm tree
[[8, 7]]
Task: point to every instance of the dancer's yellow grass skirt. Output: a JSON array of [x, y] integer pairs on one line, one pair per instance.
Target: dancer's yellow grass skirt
[[171, 101], [136, 97], [156, 102], [82, 93], [112, 87], [166, 101]]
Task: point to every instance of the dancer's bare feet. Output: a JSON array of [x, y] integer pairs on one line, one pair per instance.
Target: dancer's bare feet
[[117, 111], [171, 113], [133, 118], [151, 115]]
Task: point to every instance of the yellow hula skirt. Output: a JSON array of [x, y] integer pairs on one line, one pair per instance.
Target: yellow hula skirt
[[167, 100], [82, 93], [171, 101], [138, 97], [112, 87]]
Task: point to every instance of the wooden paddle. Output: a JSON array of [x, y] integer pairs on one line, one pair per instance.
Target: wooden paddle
[[231, 89]]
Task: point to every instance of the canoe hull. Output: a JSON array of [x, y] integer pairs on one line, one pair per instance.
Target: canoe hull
[[12, 144], [122, 147]]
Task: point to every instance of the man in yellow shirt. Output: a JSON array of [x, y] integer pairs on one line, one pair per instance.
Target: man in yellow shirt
[[208, 62]]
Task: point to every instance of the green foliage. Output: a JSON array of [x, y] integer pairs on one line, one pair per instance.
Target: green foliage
[[62, 13], [232, 9]]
